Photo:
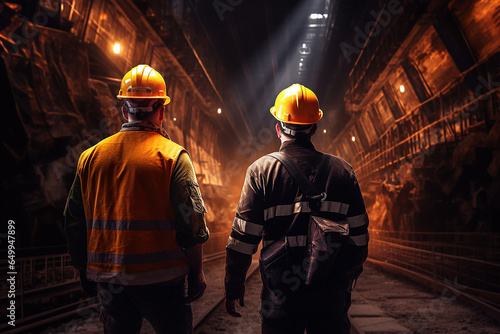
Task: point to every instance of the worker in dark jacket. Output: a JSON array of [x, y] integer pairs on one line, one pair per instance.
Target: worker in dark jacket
[[271, 202], [135, 219]]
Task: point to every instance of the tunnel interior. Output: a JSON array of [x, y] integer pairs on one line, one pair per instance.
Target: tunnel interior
[[409, 90]]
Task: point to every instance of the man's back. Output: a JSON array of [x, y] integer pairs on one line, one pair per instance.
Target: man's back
[[274, 200], [135, 219], [128, 175], [125, 182], [274, 209]]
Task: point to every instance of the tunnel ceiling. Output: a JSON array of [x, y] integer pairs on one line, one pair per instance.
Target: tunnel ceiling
[[266, 46], [259, 47]]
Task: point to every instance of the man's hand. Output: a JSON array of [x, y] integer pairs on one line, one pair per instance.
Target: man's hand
[[231, 306], [196, 286]]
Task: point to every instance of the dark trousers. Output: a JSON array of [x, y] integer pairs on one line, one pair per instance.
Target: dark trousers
[[164, 306], [317, 311]]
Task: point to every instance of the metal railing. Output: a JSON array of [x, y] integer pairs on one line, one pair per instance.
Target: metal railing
[[41, 271], [36, 275], [470, 259], [49, 275], [482, 246], [407, 142]]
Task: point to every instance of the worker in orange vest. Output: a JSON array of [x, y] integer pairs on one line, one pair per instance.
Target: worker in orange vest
[[135, 218]]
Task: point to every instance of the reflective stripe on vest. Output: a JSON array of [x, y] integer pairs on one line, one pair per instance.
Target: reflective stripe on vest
[[117, 275], [125, 183], [130, 225], [162, 256], [132, 235]]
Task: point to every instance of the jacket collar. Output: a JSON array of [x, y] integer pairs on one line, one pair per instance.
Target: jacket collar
[[297, 144], [144, 126]]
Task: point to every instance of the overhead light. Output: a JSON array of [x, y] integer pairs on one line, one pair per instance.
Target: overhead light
[[353, 138], [324, 131], [175, 119], [219, 111], [402, 89], [304, 50], [300, 64], [316, 16], [116, 48]]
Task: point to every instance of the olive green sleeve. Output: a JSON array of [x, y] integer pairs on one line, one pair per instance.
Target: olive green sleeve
[[75, 225], [188, 204]]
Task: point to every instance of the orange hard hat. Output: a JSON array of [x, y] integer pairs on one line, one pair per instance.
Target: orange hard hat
[[143, 82], [297, 104]]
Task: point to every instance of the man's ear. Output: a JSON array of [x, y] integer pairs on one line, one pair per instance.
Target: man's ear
[[314, 128], [162, 113], [278, 131], [124, 113]]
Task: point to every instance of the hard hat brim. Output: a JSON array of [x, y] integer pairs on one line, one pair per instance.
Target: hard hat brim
[[166, 98], [273, 112]]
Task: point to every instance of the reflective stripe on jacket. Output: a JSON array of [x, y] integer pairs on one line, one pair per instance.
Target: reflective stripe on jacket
[[271, 202], [125, 183]]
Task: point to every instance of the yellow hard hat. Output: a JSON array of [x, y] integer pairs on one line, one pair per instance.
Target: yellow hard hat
[[297, 104], [143, 82]]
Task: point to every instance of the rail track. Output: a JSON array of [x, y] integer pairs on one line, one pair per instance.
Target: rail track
[[215, 302], [82, 306], [471, 273]]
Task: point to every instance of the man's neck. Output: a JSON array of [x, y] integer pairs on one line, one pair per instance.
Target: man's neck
[[284, 139], [144, 126]]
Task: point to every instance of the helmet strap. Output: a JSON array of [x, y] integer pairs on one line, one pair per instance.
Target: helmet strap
[[149, 108]]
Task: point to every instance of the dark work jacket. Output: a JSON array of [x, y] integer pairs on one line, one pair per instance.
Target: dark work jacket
[[271, 202]]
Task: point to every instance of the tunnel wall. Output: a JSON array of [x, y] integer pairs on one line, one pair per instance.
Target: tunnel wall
[[427, 155], [63, 79]]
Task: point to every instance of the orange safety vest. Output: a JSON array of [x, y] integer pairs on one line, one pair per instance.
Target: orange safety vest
[[125, 181]]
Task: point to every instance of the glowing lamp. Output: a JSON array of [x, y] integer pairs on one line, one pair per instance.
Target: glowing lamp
[[116, 48]]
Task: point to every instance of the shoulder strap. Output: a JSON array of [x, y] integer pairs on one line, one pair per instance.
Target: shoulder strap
[[304, 184], [323, 169], [308, 188]]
